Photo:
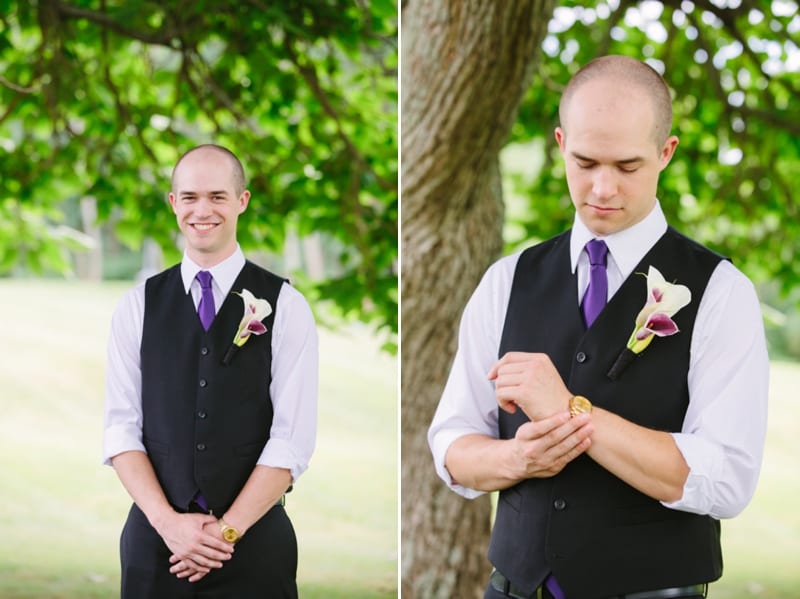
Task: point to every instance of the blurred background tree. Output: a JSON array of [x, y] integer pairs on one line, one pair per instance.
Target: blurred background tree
[[734, 67], [734, 70], [98, 99]]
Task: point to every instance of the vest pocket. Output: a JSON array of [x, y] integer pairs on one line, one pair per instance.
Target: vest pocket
[[512, 497]]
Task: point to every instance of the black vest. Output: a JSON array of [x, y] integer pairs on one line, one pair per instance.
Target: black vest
[[597, 534], [204, 423]]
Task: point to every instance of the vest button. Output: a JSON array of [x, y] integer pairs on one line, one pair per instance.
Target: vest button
[[204, 351], [202, 415], [580, 357], [201, 447], [559, 504], [203, 382]]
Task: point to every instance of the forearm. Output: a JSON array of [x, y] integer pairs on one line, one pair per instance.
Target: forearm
[[538, 450], [262, 490], [139, 479], [648, 460], [481, 463]]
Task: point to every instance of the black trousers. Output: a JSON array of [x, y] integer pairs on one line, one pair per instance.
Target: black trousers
[[264, 564]]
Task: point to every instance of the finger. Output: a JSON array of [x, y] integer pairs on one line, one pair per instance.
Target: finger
[[508, 405], [572, 431], [507, 379], [216, 549], [492, 374], [577, 450], [202, 564], [197, 576], [576, 442], [535, 430]]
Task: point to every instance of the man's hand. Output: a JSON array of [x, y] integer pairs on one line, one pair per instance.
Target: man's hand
[[531, 382], [196, 544], [542, 448]]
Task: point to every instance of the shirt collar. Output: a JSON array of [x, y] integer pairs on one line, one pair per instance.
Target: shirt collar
[[628, 246], [224, 273]]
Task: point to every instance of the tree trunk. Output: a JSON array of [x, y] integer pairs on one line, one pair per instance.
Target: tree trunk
[[465, 67]]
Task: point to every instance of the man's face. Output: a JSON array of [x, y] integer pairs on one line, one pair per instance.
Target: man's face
[[207, 206], [612, 159]]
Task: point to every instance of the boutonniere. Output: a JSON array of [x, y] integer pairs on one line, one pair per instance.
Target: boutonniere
[[255, 310], [654, 320]]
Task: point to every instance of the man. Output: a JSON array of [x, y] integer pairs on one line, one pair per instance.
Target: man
[[207, 435], [632, 382]]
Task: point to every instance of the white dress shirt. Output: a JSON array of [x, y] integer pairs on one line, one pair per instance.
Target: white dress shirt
[[294, 370], [723, 433]]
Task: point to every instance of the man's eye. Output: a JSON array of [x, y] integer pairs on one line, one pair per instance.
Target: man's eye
[[628, 169], [586, 165]]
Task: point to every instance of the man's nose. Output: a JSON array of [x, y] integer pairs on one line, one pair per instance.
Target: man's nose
[[604, 183], [202, 207]]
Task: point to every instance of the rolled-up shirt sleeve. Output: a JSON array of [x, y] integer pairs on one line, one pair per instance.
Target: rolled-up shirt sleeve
[[295, 366], [723, 434], [468, 404], [123, 408]]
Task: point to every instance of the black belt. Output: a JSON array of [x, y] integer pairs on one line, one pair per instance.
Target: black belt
[[502, 584]]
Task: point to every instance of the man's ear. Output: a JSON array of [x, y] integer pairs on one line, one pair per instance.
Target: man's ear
[[667, 151], [561, 138], [244, 200]]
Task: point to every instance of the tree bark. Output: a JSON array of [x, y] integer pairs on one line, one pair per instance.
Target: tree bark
[[465, 67]]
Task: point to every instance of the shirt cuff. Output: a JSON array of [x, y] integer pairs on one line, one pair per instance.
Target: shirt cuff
[[440, 443], [706, 461], [280, 453], [119, 438]]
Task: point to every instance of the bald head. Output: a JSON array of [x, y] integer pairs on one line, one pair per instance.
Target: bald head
[[628, 75], [236, 166]]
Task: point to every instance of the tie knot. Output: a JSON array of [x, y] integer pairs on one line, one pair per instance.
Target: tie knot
[[204, 277], [597, 250]]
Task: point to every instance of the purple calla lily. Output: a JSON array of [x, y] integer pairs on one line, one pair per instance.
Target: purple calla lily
[[654, 319], [658, 324]]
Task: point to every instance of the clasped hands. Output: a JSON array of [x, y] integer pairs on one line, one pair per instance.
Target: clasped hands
[[543, 446], [196, 543]]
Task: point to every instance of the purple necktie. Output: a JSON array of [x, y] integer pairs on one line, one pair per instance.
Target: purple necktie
[[597, 293], [206, 309], [554, 588]]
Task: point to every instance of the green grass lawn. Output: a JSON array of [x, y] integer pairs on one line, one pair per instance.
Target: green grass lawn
[[62, 511], [761, 547]]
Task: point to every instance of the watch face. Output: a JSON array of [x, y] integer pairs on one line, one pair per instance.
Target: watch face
[[230, 535]]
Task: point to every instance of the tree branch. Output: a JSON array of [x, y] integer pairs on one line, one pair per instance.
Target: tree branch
[[32, 89], [310, 77], [161, 38], [218, 92]]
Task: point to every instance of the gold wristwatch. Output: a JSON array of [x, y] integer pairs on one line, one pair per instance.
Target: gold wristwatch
[[229, 533], [579, 405]]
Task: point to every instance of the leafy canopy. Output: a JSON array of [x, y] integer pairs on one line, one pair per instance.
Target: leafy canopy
[[734, 68], [98, 98]]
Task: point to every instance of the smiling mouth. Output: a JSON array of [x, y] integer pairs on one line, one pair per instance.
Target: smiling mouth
[[203, 226]]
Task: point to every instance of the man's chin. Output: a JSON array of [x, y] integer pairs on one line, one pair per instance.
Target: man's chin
[[603, 224]]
